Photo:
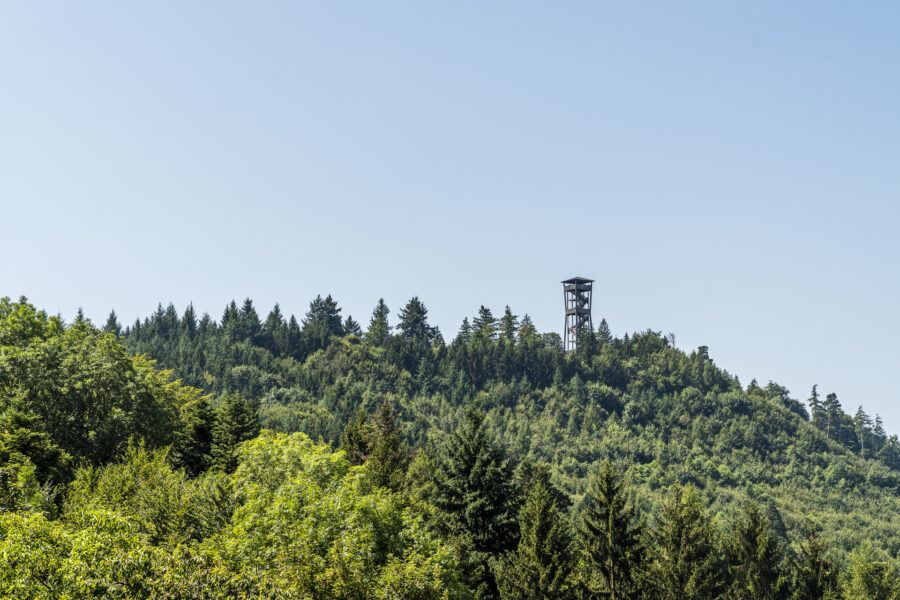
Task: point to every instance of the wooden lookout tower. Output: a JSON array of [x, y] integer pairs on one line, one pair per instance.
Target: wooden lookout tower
[[577, 292]]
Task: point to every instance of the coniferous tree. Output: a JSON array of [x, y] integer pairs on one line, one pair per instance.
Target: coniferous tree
[[816, 410], [833, 414], [465, 331], [813, 575], [356, 439], [604, 335], [251, 328], [236, 422], [685, 563], [112, 324], [485, 325], [189, 321], [388, 456], [541, 567], [379, 328], [351, 327], [755, 560], [509, 325], [193, 448], [863, 426], [414, 322], [322, 321], [274, 332], [870, 576], [472, 486], [611, 535]]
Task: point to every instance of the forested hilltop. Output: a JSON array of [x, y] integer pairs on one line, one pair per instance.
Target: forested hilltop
[[277, 458]]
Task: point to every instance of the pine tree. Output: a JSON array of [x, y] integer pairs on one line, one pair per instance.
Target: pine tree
[[813, 575], [685, 563], [863, 425], [754, 560], [816, 410], [112, 324], [541, 566], [379, 329], [610, 534], [388, 457]]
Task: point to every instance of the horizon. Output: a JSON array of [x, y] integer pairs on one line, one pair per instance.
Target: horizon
[[726, 173]]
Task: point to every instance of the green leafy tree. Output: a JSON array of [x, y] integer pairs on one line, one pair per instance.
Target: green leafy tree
[[611, 534]]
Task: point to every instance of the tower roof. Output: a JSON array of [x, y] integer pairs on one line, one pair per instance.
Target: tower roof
[[578, 280]]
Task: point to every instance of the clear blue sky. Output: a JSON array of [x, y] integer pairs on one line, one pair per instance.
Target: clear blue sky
[[727, 173]]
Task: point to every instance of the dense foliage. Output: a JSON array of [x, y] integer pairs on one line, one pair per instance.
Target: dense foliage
[[492, 466]]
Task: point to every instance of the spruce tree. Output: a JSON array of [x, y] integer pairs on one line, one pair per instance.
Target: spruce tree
[[755, 560], [509, 325], [388, 457], [414, 322], [604, 335], [356, 439], [485, 325], [472, 486], [610, 534], [351, 327], [112, 324], [685, 563], [379, 328], [236, 422], [193, 448], [189, 321], [813, 575], [322, 321], [541, 566]]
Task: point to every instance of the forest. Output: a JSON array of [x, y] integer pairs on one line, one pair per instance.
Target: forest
[[251, 457]]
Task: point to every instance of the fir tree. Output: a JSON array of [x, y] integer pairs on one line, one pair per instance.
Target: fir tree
[[485, 325], [755, 560], [351, 327], [604, 335], [414, 322], [610, 534], [685, 563], [189, 321], [813, 575], [322, 321], [472, 485], [356, 439], [193, 448], [379, 329], [541, 567], [236, 422], [509, 325], [112, 324], [388, 457]]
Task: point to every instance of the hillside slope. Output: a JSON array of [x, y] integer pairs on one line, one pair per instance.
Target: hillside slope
[[662, 415]]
